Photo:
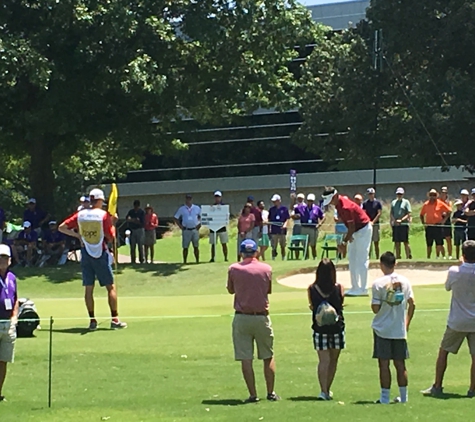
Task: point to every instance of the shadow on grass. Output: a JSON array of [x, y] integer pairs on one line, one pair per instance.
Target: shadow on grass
[[56, 275], [223, 402], [303, 398], [449, 396], [163, 269], [78, 330]]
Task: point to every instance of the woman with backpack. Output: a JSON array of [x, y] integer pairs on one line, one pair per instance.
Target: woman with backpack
[[326, 298]]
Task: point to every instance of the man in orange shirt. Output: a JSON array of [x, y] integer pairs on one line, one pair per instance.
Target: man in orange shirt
[[434, 214]]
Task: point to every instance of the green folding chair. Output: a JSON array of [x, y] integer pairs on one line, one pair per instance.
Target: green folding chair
[[298, 243], [330, 244]]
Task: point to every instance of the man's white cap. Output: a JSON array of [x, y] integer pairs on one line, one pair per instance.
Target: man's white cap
[[32, 201], [82, 199], [370, 190], [473, 191], [311, 197], [5, 250], [458, 202], [464, 192], [275, 197], [52, 223], [128, 232], [97, 194], [218, 193], [26, 224], [444, 189], [400, 191], [301, 195]]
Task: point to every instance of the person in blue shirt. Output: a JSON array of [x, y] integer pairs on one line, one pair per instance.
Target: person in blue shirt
[[55, 242], [26, 244], [35, 215]]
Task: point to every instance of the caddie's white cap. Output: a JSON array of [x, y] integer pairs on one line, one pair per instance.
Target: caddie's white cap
[[275, 197], [26, 224], [311, 197], [97, 194], [400, 191], [5, 250], [464, 192], [301, 195], [218, 193]]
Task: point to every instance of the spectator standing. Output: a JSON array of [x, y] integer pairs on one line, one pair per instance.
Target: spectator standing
[[35, 215], [373, 209], [358, 198], [447, 227], [150, 225], [221, 234], [469, 212], [55, 242], [26, 244], [460, 227], [461, 319], [245, 226], [464, 196], [95, 231], [312, 218], [3, 222], [188, 218], [328, 335], [278, 219], [433, 215], [342, 230], [136, 223], [400, 218], [84, 202], [250, 281], [358, 238], [256, 231], [8, 314], [295, 215], [393, 305], [264, 241]]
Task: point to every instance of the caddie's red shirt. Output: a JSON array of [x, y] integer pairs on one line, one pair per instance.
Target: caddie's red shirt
[[350, 212]]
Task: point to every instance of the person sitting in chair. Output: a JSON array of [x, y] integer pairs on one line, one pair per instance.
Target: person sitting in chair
[[25, 245], [55, 244]]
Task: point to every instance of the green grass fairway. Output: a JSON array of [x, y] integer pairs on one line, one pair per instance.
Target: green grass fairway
[[175, 361]]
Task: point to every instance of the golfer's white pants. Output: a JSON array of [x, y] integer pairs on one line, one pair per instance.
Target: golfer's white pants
[[358, 257]]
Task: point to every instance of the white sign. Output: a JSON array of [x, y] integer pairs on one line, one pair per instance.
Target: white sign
[[215, 217]]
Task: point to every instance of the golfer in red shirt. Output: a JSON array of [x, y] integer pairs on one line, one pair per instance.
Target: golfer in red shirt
[[358, 238]]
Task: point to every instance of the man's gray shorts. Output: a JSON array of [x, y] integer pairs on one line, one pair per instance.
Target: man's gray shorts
[[389, 349], [376, 236], [190, 236]]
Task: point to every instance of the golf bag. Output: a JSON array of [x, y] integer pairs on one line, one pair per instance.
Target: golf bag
[[28, 318]]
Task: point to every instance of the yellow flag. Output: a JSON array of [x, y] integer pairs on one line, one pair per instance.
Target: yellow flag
[[113, 197]]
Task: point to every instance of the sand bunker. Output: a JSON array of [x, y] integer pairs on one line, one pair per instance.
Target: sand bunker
[[417, 277]]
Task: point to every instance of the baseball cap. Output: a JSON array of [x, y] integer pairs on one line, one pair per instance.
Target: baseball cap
[[26, 224], [5, 250], [311, 197], [458, 202], [327, 198], [128, 232], [301, 195], [275, 197], [473, 191], [248, 246], [32, 201], [433, 192], [188, 195], [444, 189], [52, 223], [370, 190], [97, 194], [218, 193], [400, 191], [250, 198], [464, 192], [82, 199]]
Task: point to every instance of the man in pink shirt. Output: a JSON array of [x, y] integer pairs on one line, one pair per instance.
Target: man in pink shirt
[[250, 281]]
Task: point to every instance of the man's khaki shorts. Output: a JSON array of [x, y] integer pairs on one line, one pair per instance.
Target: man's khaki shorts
[[7, 341], [221, 236], [312, 234], [250, 328], [452, 341], [278, 239]]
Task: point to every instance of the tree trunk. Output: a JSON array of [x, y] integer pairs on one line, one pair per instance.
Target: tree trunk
[[42, 179]]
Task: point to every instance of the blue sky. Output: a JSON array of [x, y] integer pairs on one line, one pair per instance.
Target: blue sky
[[314, 2]]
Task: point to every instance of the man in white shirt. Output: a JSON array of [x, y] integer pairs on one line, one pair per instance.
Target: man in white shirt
[[461, 320], [393, 306], [188, 218]]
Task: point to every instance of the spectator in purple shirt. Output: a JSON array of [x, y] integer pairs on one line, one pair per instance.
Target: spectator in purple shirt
[[55, 242], [311, 218], [278, 220], [26, 244], [3, 221], [373, 209], [35, 215], [8, 314]]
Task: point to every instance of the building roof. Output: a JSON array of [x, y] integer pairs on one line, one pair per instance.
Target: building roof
[[340, 15]]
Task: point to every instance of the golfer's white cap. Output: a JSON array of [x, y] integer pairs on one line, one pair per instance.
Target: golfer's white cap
[[5, 250], [26, 224], [311, 197], [32, 201], [97, 194], [218, 193], [328, 198], [400, 191], [301, 195], [464, 192], [275, 197]]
